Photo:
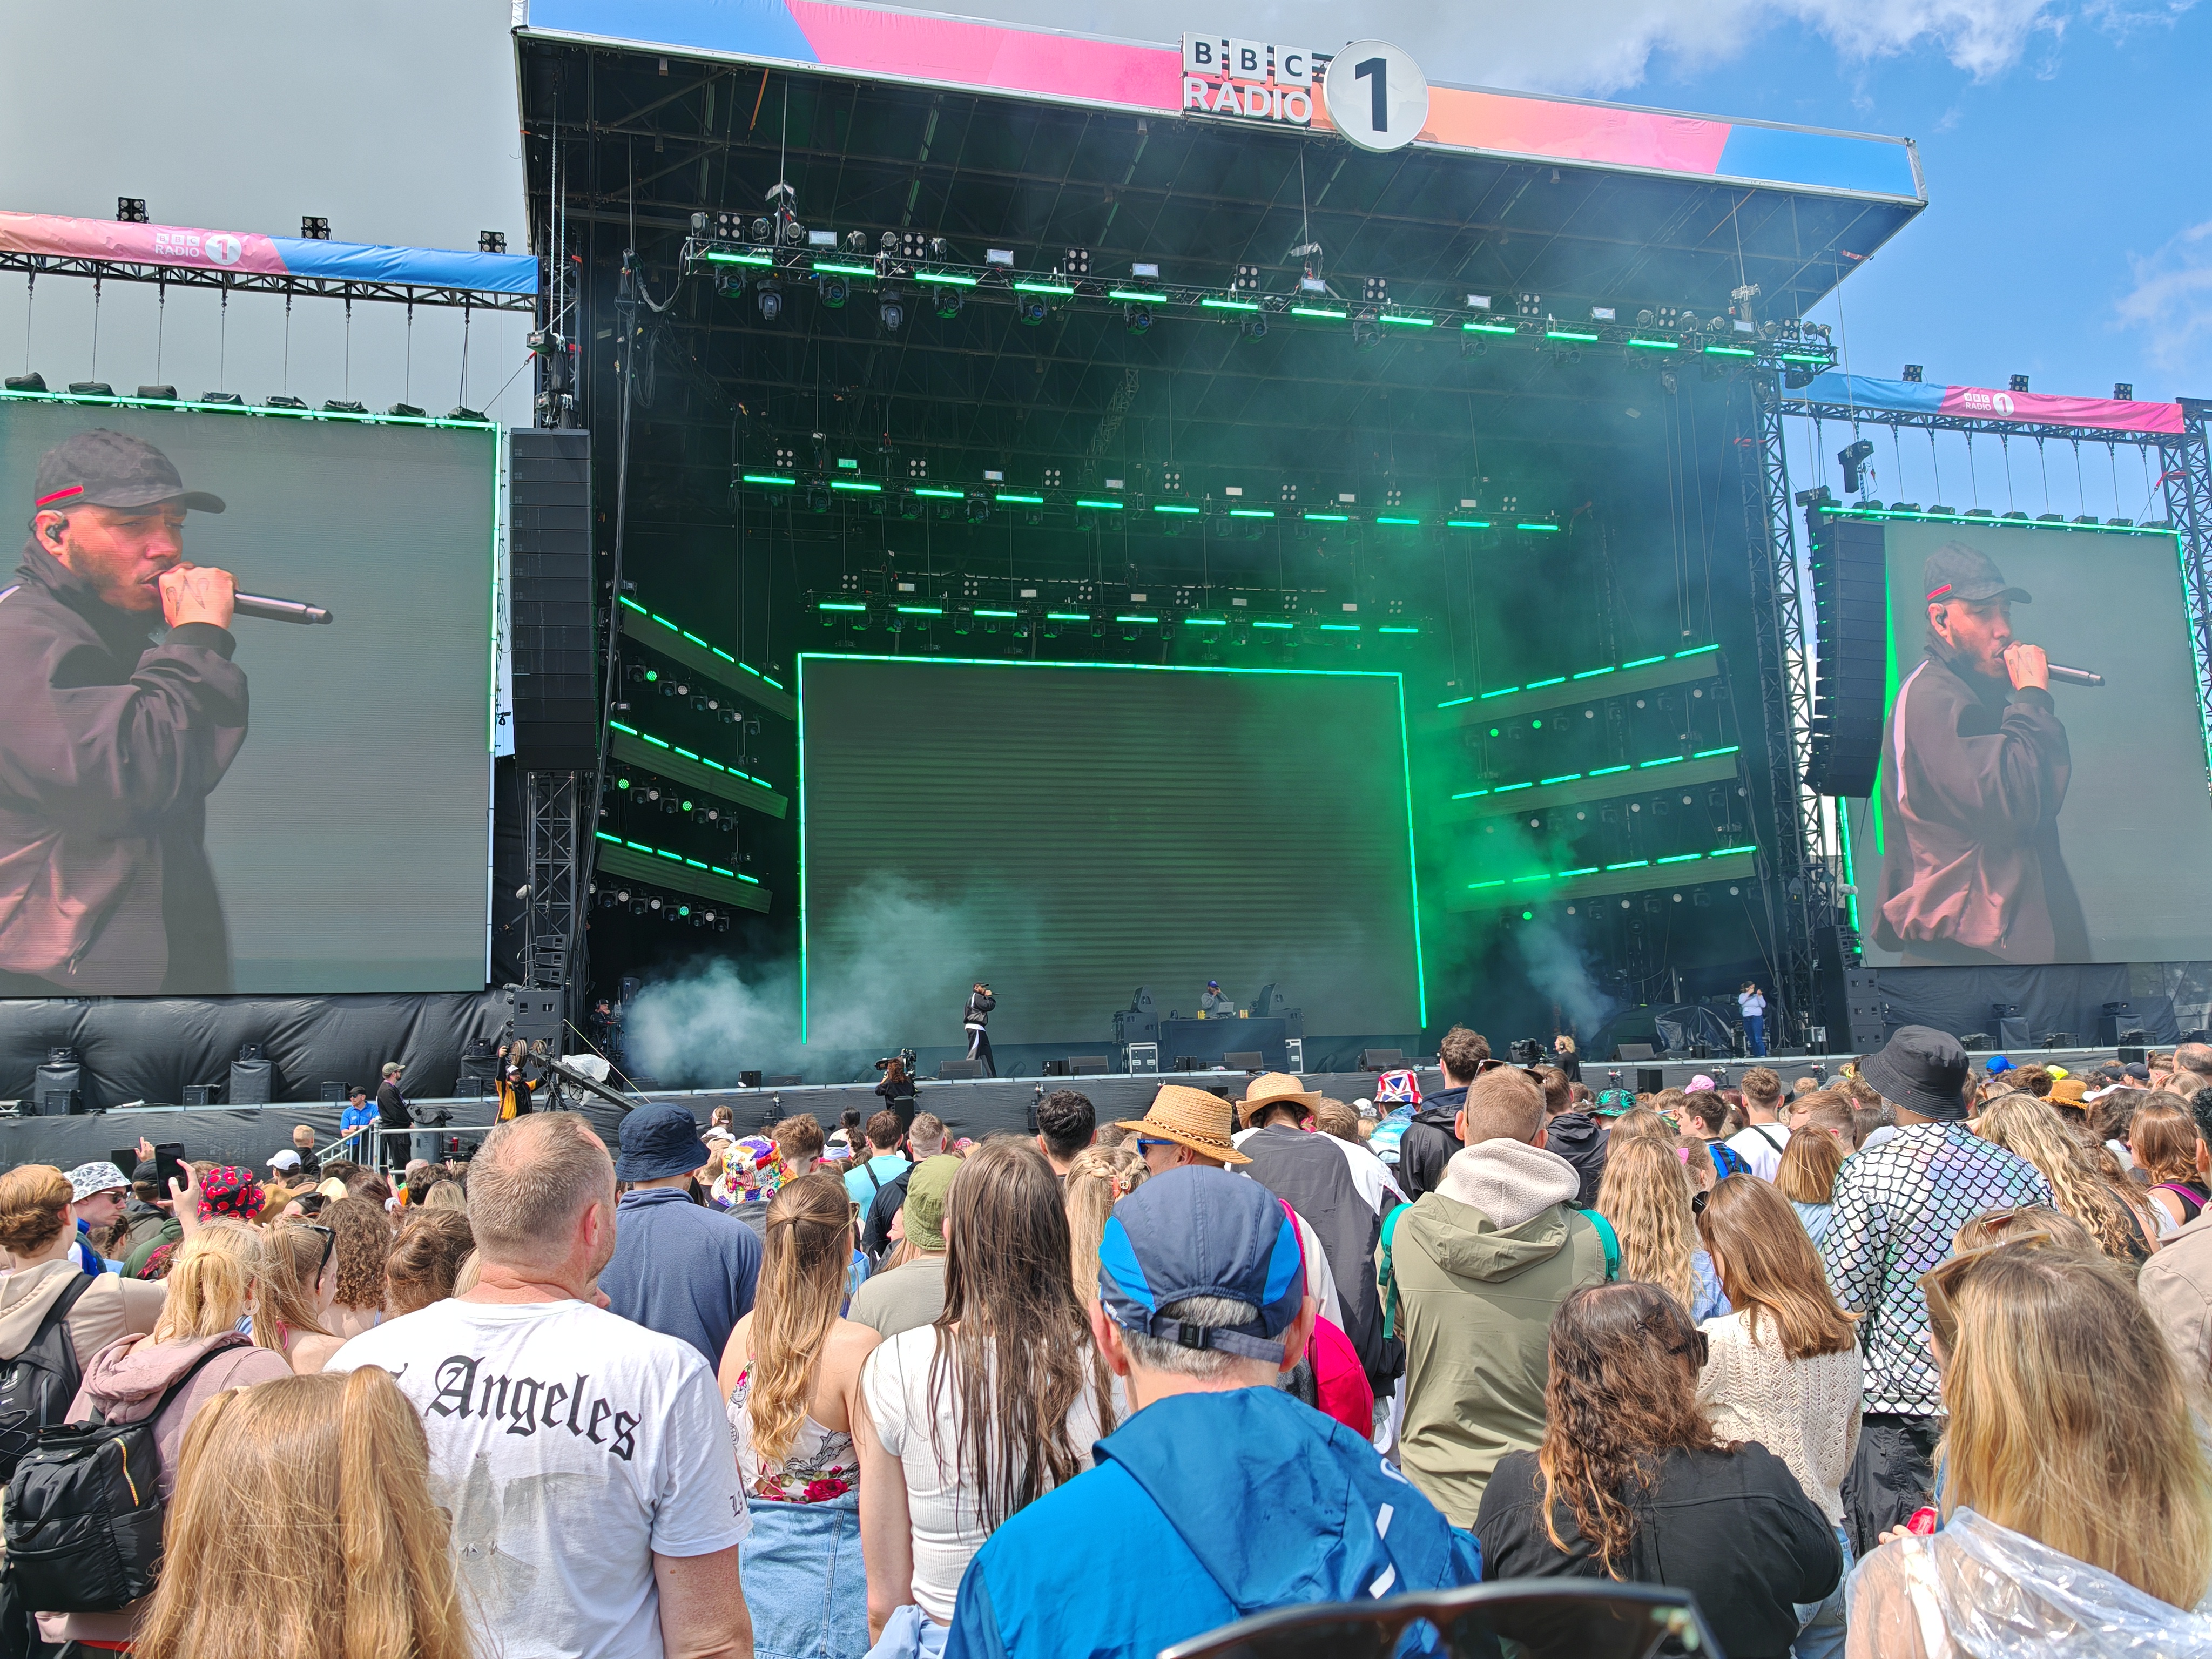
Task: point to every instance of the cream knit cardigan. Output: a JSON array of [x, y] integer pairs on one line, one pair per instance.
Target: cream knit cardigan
[[1806, 1411]]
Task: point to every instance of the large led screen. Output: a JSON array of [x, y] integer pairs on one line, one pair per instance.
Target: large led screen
[[1067, 833], [263, 808], [2013, 826]]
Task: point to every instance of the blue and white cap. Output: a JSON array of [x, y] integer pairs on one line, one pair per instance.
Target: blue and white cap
[[1197, 1231]]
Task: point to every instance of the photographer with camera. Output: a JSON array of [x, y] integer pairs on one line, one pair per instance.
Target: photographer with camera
[[977, 1015], [897, 1089]]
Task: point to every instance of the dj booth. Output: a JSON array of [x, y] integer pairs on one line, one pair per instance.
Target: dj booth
[[1267, 1030]]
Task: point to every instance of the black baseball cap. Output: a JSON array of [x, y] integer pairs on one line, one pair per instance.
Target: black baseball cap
[[1922, 1069], [100, 468], [1956, 571]]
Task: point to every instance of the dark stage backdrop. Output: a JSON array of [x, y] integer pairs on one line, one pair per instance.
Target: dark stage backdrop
[[349, 838], [1068, 833]]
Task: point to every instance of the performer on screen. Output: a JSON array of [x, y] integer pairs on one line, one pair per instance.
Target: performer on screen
[[1974, 770], [976, 1017], [122, 712]]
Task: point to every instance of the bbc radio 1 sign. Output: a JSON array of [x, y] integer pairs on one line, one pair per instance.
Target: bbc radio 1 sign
[[1248, 78], [1376, 95]]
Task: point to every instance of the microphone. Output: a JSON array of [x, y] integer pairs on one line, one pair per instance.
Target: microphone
[[2062, 676], [292, 610]]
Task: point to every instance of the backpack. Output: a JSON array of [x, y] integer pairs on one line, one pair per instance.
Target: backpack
[[84, 1510], [1386, 1278], [37, 1386], [1727, 1160]]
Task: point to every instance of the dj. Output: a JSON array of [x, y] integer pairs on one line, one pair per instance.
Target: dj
[[977, 1015], [1974, 769], [1213, 1005], [112, 738]]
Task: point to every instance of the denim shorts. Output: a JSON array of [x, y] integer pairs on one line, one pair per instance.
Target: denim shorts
[[805, 1583]]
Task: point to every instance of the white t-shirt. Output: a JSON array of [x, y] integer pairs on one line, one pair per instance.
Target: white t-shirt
[[571, 1446], [1760, 1145], [941, 1501]]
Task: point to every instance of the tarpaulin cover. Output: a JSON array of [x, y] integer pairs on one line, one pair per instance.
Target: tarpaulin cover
[[250, 253], [2061, 997], [1986, 404], [148, 1049]]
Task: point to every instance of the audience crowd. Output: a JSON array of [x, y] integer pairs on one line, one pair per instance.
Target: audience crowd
[[1916, 1360]]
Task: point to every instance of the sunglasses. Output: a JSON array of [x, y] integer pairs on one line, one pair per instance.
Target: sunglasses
[[1941, 1284], [330, 1243], [1555, 1621], [1145, 1145]]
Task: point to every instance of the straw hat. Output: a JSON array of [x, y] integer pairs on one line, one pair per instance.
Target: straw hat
[[1192, 1118], [1276, 1089]]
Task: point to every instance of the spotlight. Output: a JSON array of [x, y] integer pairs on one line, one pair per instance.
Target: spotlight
[[979, 506], [729, 285], [1376, 289], [1912, 372], [488, 241], [890, 311], [1247, 279], [1366, 335], [949, 302], [2123, 391], [762, 231], [2019, 383], [1853, 458], [768, 296], [1253, 327], [131, 210], [1030, 309], [314, 228], [834, 289], [1136, 317], [856, 241], [818, 499], [1077, 261]]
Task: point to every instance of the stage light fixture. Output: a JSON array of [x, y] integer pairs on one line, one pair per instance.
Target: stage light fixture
[[979, 506], [890, 311], [2019, 383], [1912, 372], [1030, 309], [1376, 289], [856, 241], [834, 289], [1247, 279], [818, 499], [1253, 327], [488, 241], [1365, 336], [1076, 262], [33, 381], [1853, 458], [1136, 317], [2123, 391], [314, 228], [767, 296], [131, 210]]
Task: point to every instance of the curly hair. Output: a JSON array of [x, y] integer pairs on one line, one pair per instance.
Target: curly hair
[[2030, 1128], [364, 1242], [1645, 1194], [426, 1258], [1621, 1392]]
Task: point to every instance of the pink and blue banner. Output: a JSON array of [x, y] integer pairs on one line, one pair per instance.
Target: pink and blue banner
[[1041, 63], [1835, 389], [250, 253]]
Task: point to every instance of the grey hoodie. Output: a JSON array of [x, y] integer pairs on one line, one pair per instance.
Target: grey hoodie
[[1481, 1265]]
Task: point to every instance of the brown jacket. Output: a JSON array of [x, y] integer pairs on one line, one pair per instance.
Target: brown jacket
[[111, 1307], [2176, 1285]]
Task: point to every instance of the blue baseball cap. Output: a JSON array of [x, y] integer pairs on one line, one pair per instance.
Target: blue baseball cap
[[660, 1140], [1199, 1231], [1999, 1063]]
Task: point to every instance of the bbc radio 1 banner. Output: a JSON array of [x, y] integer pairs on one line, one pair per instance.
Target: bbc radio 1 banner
[[191, 809]]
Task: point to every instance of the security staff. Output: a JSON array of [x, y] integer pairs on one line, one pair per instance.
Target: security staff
[[124, 711]]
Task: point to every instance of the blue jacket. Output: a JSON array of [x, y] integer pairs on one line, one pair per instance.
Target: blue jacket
[[681, 1269], [1203, 1509]]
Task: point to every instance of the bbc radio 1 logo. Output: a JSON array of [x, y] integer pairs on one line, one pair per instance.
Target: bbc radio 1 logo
[[1253, 79]]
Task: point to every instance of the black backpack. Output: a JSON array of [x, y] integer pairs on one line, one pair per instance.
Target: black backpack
[[84, 1512], [38, 1384]]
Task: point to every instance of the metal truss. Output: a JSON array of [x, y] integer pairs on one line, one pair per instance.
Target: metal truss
[[1797, 883], [123, 271], [2185, 470], [552, 921]]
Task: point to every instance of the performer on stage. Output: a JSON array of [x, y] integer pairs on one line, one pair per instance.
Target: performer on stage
[[1751, 1003], [113, 739], [1213, 1005], [978, 1014], [1974, 770]]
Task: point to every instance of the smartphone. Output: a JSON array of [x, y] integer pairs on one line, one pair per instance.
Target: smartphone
[[169, 1165], [125, 1159]]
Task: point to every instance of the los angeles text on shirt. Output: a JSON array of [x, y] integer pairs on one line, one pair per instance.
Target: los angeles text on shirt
[[526, 1404]]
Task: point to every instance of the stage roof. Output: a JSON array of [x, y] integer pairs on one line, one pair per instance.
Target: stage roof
[[984, 133]]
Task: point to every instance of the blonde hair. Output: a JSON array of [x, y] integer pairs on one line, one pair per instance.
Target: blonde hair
[[303, 1524], [448, 1195], [1098, 1178], [212, 1284], [1645, 1194], [291, 1261], [34, 1200], [1807, 1174], [802, 1285], [2024, 1125], [2099, 1461]]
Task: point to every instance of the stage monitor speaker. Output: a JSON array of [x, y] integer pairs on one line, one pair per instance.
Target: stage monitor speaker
[[1632, 1051], [1244, 1060], [1850, 607], [2012, 1032], [1086, 1066], [2129, 1055], [1381, 1059], [1055, 1068], [2113, 1025], [56, 1091], [537, 1017], [1649, 1079], [249, 1083], [327, 1090], [202, 1094], [748, 1079], [959, 1068], [556, 690], [1143, 1058]]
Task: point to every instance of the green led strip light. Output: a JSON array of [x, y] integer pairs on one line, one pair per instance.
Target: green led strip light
[[2017, 523], [1317, 311], [688, 754], [1407, 322], [1020, 501], [1059, 289], [1136, 297], [941, 494], [825, 268], [858, 485], [1327, 518], [1172, 507], [686, 633], [1101, 506], [776, 479], [944, 279], [1211, 304], [832, 605], [1588, 673], [719, 258], [1488, 328], [1000, 616], [1394, 519], [918, 610], [1251, 513], [677, 857], [1609, 869], [1569, 334]]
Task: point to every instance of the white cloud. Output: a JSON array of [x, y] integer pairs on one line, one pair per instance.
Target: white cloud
[[2171, 300], [1603, 47]]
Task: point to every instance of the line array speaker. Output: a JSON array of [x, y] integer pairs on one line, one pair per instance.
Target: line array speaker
[[557, 693], [1850, 613]]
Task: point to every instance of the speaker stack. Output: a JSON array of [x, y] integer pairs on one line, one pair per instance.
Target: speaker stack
[[557, 693], [1851, 612]]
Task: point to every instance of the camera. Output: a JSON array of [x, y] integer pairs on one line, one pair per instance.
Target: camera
[[1527, 1051], [906, 1057]]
